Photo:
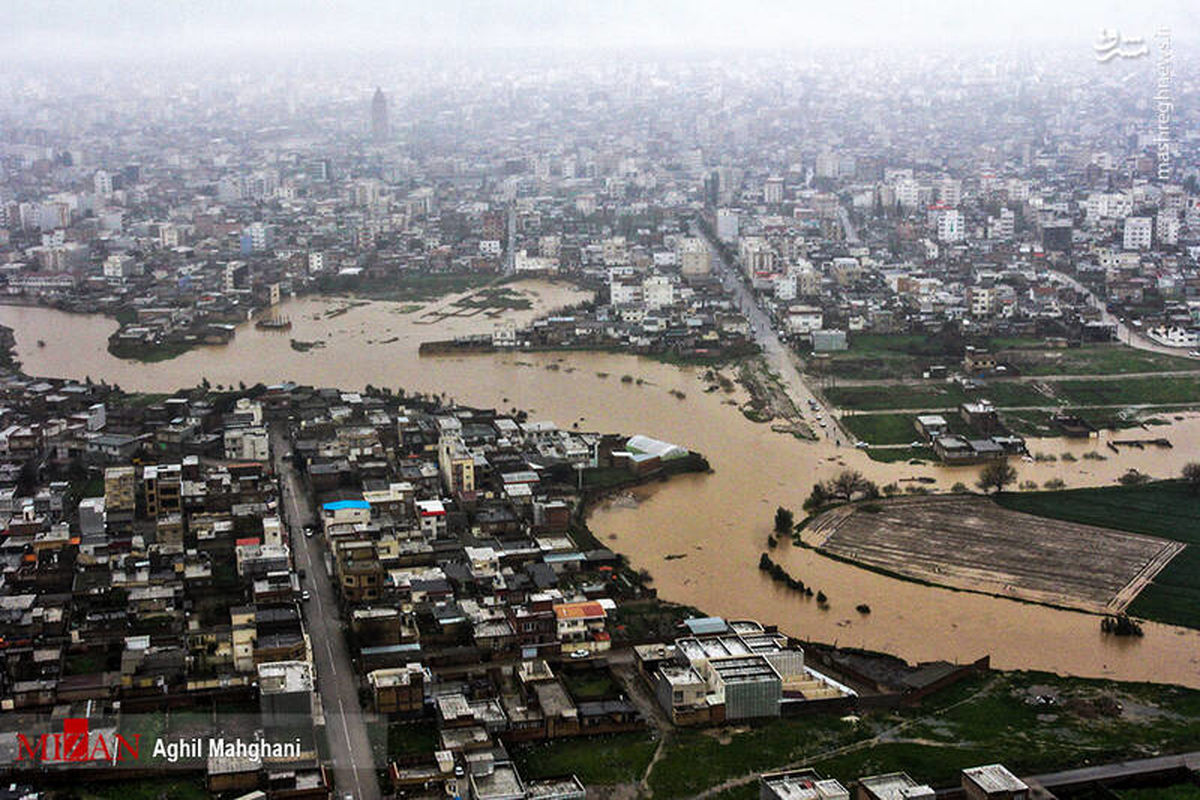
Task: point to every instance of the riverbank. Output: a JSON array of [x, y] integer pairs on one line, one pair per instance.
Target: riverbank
[[719, 520]]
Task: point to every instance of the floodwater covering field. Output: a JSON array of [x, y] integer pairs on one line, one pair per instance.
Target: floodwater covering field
[[719, 522]]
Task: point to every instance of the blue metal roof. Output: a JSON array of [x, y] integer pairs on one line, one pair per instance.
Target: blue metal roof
[[340, 504], [706, 625]]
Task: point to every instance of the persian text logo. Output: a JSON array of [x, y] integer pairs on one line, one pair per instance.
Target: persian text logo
[[1110, 44], [77, 744]]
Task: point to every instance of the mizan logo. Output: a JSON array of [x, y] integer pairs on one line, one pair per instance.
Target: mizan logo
[[76, 744]]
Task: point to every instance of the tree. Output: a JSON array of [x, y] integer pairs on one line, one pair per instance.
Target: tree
[[784, 520], [817, 499], [996, 475], [1133, 478], [959, 488], [1191, 475], [846, 483]]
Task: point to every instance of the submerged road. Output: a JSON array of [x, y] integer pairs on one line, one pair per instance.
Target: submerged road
[[345, 725], [778, 356]]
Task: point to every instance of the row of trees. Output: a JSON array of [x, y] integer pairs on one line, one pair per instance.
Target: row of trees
[[848, 485], [780, 575], [999, 474]]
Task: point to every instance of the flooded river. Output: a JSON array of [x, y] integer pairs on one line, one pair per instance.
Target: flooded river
[[719, 522]]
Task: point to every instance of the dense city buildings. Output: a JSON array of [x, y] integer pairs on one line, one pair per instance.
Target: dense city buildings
[[465, 419]]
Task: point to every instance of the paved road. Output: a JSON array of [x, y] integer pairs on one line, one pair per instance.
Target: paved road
[[1120, 769], [1164, 407], [1125, 333], [1074, 376], [345, 726], [847, 226], [779, 357]]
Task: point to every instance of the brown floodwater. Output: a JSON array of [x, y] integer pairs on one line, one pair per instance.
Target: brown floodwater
[[720, 521]]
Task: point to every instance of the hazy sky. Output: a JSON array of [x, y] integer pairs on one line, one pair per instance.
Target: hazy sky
[[62, 28]]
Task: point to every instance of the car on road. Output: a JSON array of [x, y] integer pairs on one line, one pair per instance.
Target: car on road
[[308, 531], [580, 654], [914, 443], [306, 595], [861, 445], [1194, 354], [821, 422]]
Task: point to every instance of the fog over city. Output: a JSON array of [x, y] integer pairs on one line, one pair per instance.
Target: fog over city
[[118, 31]]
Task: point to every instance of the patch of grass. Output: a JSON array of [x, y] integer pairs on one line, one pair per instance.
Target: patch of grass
[[1132, 391], [619, 758], [933, 395], [648, 620], [150, 353], [936, 765], [420, 287], [1180, 791], [145, 789], [606, 477], [1095, 359], [594, 684], [732, 752], [496, 297], [891, 455], [995, 720], [1169, 509], [409, 738], [882, 428]]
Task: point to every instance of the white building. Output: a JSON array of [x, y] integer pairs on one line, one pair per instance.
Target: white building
[[504, 334], [102, 183], [1137, 233], [1002, 227], [694, 257], [658, 292], [727, 225], [949, 191], [118, 267], [982, 301], [908, 193], [1168, 227], [950, 225], [785, 287], [804, 319], [773, 190], [247, 444]]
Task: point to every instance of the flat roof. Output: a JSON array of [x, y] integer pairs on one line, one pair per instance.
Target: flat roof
[[992, 778], [340, 504]]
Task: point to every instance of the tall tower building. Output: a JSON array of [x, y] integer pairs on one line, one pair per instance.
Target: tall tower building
[[379, 116]]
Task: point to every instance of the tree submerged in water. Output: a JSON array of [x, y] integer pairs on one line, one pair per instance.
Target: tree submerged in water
[[1121, 625]]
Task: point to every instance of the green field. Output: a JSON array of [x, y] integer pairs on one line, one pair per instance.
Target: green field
[[619, 758], [756, 748], [933, 396], [985, 719], [1180, 791], [882, 428], [875, 356], [145, 789], [895, 428], [891, 455], [879, 356], [1131, 391], [988, 720], [1094, 359], [1169, 509]]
